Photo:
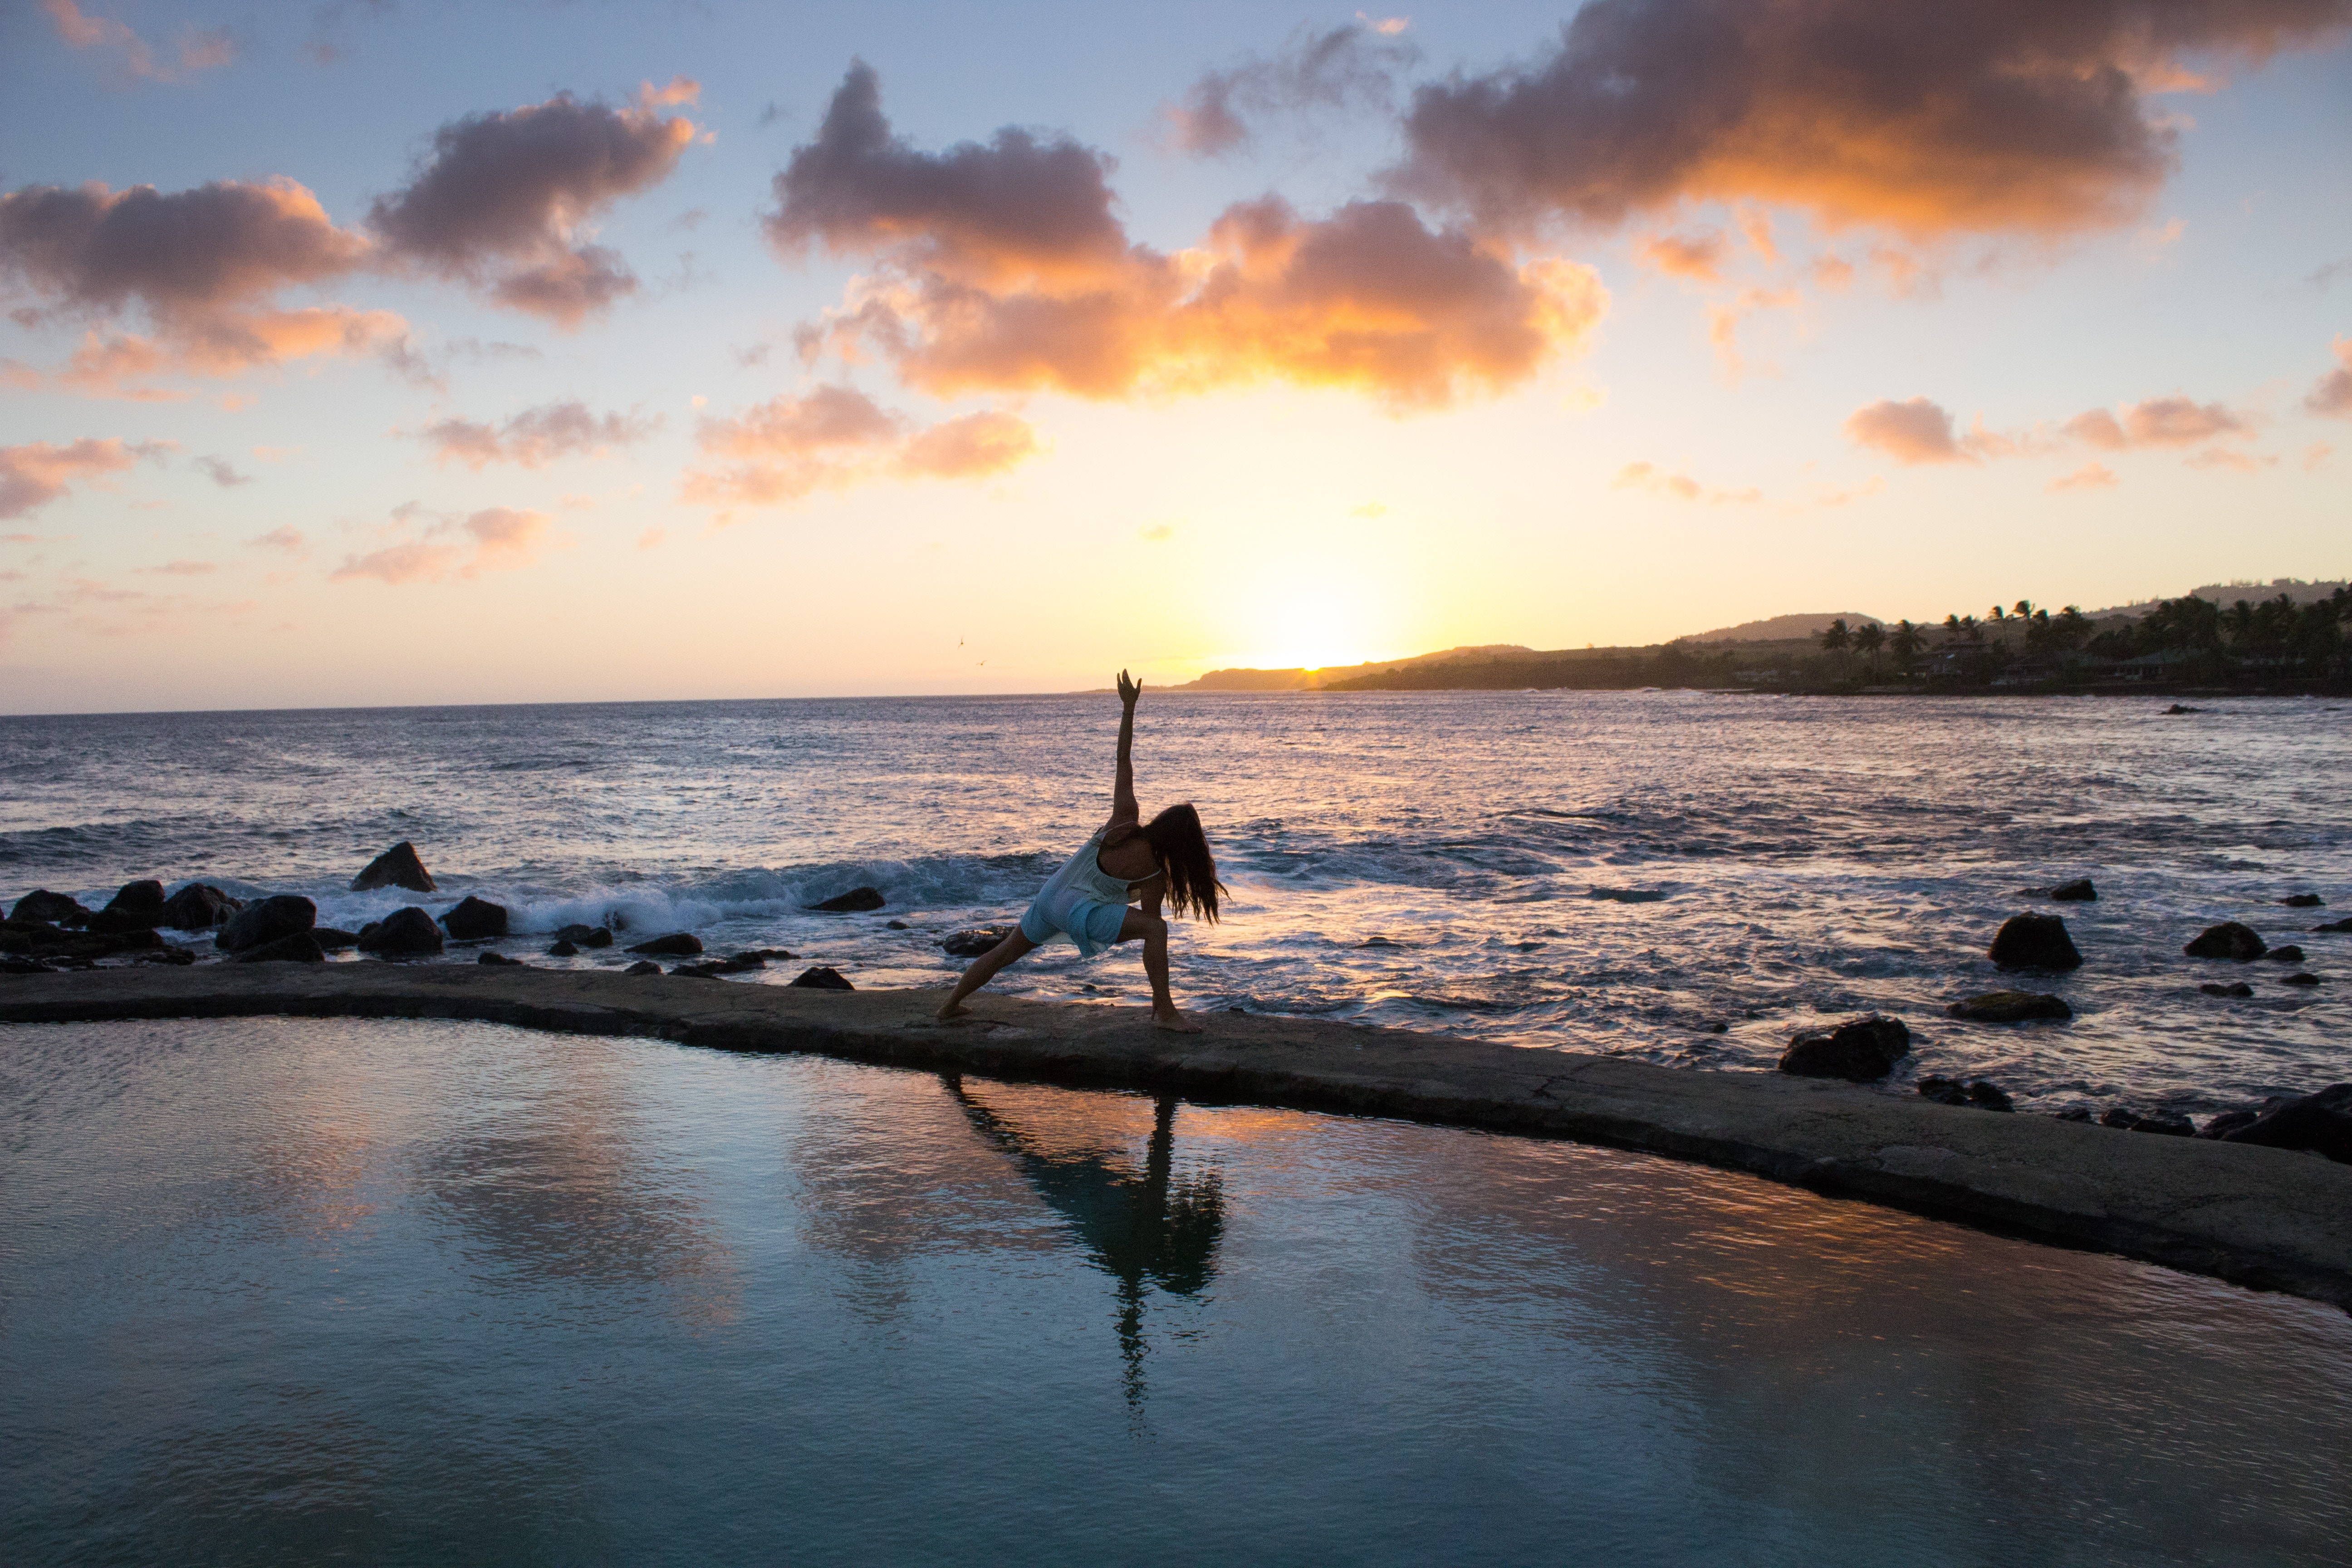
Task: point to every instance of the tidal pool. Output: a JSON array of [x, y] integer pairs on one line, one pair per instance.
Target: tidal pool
[[289, 1290]]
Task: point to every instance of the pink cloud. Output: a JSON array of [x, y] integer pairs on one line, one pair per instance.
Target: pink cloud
[[835, 436], [197, 51], [2332, 395], [536, 436], [494, 538], [34, 475], [2092, 476]]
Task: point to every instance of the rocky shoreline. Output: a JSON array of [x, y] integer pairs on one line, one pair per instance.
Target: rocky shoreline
[[2261, 1217]]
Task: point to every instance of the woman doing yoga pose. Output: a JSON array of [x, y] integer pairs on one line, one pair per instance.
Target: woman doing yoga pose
[[1089, 900]]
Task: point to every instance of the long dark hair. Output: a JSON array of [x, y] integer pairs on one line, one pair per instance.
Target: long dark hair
[[1182, 849]]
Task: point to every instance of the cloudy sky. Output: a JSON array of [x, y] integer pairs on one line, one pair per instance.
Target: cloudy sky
[[396, 350]]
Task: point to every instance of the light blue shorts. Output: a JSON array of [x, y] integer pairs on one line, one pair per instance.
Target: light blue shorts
[[1094, 926]]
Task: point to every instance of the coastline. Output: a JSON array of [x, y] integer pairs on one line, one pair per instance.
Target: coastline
[[2264, 1219]]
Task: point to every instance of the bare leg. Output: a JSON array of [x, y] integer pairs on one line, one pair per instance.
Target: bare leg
[[1153, 930], [983, 970]]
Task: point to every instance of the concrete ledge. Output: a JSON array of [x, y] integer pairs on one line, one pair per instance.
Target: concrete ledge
[[2260, 1217]]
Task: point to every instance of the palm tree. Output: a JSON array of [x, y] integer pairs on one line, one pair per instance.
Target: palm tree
[[1836, 638], [1905, 644], [1870, 636]]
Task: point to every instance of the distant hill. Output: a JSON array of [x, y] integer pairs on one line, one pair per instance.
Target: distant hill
[[1784, 628], [1315, 679], [2295, 588]]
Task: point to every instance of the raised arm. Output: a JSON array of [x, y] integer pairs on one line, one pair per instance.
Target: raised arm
[[1122, 792]]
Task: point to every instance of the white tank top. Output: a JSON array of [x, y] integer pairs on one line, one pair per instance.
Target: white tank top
[[1083, 877]]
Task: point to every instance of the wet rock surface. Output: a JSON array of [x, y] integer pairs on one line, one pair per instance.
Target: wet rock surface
[[1983, 1093], [823, 977], [476, 919], [199, 907], [2009, 1007], [1859, 1050], [398, 866], [858, 901], [2034, 942], [2231, 940], [264, 920], [295, 947], [2170, 1123], [585, 936], [2320, 1123], [409, 932], [676, 944], [974, 942]]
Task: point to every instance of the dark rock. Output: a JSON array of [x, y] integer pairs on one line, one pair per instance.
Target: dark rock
[[897, 925], [697, 970], [2322, 1121], [2338, 926], [2227, 1123], [2074, 1113], [137, 907], [855, 901], [2034, 942], [2009, 1007], [2215, 988], [823, 977], [398, 866], [1860, 1050], [563, 948], [264, 921], [333, 940], [2170, 1124], [2078, 891], [770, 954], [2303, 977], [1944, 1091], [1987, 1095], [30, 939], [476, 919], [2303, 901], [41, 904], [1379, 941], [2229, 939], [404, 934], [199, 907], [2176, 709], [499, 961], [586, 936], [2289, 953], [973, 942], [677, 944], [13, 965], [294, 947], [175, 957], [742, 964], [1718, 1026], [642, 966]]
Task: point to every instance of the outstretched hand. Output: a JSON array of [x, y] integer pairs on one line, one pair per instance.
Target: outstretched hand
[[1129, 690]]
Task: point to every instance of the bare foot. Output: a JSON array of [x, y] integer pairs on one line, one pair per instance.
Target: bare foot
[[952, 1010], [1174, 1021]]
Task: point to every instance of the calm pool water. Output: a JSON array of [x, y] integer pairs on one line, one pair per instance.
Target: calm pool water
[[276, 1290]]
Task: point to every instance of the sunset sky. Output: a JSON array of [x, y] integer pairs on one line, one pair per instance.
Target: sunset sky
[[402, 352]]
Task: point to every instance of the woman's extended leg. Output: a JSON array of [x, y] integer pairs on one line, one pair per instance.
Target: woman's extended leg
[[984, 968], [1153, 930]]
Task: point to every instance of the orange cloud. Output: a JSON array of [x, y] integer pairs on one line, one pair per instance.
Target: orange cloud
[[1682, 487], [34, 475], [1002, 267], [790, 448], [197, 51], [1912, 432], [536, 436], [2332, 394], [2158, 422], [494, 538], [1990, 119], [1699, 256], [2092, 476]]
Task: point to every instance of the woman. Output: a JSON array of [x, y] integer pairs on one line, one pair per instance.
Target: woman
[[1126, 859]]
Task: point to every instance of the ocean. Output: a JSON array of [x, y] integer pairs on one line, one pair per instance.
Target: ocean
[[1685, 878]]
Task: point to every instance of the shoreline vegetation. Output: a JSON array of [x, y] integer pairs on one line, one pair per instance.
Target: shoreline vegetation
[[2296, 640]]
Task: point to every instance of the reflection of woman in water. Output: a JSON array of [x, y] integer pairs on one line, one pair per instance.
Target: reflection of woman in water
[[1127, 860]]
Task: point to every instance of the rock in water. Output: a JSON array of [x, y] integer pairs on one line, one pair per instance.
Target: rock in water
[[1860, 1050], [2343, 925], [2215, 988], [585, 936], [2170, 1124], [2227, 1123], [2322, 1121], [2303, 901], [2290, 954], [334, 941], [1944, 1091], [2229, 939], [398, 866], [677, 944], [2304, 978], [2078, 891], [41, 904], [499, 961], [199, 907], [404, 934], [973, 942], [2009, 1007], [2034, 942], [476, 919], [137, 907], [2176, 709], [295, 947], [823, 977], [264, 921], [563, 948], [642, 966], [855, 901]]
